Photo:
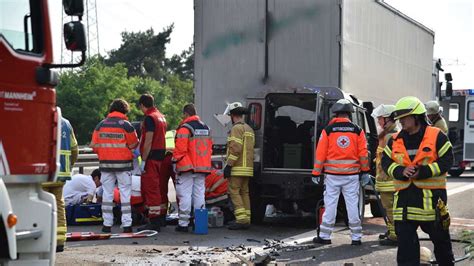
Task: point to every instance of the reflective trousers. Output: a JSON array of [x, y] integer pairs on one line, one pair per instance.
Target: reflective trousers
[[238, 188], [349, 186], [408, 252], [166, 173], [387, 203], [151, 188], [124, 182], [56, 188], [190, 189]]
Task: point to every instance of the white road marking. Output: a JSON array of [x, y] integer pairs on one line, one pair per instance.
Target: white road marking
[[460, 189]]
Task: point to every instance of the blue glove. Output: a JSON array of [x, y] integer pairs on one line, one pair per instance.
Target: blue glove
[[316, 179], [364, 179]]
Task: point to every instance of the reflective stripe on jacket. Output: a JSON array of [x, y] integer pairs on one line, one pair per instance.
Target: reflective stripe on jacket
[[216, 187], [341, 149], [111, 140], [158, 144], [240, 149], [193, 146], [384, 182], [426, 154], [68, 143]]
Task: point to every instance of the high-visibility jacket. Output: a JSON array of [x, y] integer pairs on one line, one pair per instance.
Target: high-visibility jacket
[[341, 149], [240, 149], [426, 154], [193, 146], [158, 144], [216, 188], [68, 146], [440, 123], [384, 182], [112, 140]]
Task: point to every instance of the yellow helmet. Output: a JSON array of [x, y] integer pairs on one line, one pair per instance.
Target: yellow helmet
[[408, 105]]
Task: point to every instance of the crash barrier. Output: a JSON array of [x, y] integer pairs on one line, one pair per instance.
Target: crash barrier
[[85, 159]]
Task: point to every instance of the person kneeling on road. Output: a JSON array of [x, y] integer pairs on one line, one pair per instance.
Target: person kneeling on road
[[81, 188], [342, 153]]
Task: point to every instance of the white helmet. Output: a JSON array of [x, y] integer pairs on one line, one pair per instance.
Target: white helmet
[[432, 107], [383, 110], [236, 108]]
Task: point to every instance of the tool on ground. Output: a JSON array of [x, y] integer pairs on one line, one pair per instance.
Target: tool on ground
[[80, 236]]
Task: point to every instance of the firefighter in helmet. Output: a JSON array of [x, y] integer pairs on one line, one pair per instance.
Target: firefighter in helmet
[[342, 155], [384, 183], [239, 165], [418, 158], [433, 111]]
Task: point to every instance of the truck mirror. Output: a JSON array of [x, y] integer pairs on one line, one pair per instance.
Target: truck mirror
[[448, 77], [73, 7], [449, 89], [74, 36]]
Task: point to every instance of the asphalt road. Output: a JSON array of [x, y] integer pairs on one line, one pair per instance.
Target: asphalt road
[[222, 246]]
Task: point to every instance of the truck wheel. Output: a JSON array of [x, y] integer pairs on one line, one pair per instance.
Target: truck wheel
[[375, 209], [456, 172]]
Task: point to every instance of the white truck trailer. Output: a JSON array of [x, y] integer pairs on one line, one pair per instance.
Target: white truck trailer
[[289, 61]]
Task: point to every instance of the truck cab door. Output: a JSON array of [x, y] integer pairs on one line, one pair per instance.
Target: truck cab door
[[469, 130]]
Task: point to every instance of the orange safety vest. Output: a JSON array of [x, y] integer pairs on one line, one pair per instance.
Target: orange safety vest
[[425, 155], [342, 149], [193, 146], [111, 141], [216, 187]]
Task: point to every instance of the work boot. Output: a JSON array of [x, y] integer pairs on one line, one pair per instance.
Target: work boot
[[356, 243], [318, 240], [383, 236], [153, 224], [388, 242], [59, 248], [127, 229], [162, 220], [238, 226], [182, 229], [106, 229]]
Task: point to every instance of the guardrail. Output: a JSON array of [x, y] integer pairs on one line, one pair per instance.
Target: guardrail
[[86, 158]]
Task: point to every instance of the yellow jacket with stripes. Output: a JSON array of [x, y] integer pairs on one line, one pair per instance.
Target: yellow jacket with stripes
[[240, 149]]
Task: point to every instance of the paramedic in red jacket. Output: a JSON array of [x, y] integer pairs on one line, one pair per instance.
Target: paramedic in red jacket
[[342, 155], [152, 150]]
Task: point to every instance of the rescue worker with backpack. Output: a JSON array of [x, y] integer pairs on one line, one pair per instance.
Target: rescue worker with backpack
[[342, 155], [192, 159], [113, 140], [68, 156], [418, 158], [384, 183], [239, 165]]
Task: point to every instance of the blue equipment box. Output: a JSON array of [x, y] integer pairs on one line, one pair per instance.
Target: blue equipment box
[[84, 214]]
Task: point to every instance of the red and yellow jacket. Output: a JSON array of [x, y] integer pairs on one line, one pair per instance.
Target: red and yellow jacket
[[193, 146], [342, 149], [112, 140], [216, 187]]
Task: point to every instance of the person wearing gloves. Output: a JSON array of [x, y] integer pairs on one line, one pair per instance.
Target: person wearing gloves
[[418, 158], [433, 111], [239, 165], [192, 159], [342, 155], [384, 183]]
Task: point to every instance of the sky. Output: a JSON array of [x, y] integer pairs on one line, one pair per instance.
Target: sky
[[451, 20]]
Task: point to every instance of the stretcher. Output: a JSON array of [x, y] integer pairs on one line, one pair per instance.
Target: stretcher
[[80, 236]]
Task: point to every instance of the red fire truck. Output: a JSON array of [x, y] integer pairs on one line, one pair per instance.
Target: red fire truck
[[29, 129]]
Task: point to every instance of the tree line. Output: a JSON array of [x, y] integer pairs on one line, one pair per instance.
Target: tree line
[[139, 65]]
